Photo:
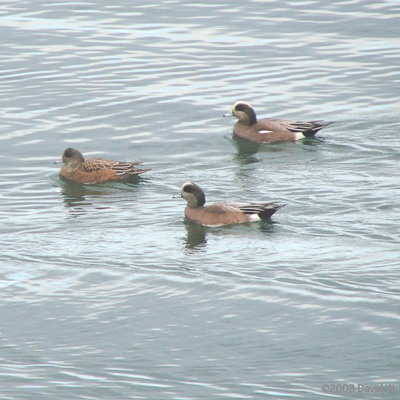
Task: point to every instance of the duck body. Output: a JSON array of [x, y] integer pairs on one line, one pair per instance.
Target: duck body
[[223, 213], [270, 130], [96, 170]]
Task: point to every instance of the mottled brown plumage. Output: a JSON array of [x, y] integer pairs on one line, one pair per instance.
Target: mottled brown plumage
[[95, 170], [270, 130]]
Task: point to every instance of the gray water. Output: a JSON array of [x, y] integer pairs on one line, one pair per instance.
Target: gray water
[[108, 293]]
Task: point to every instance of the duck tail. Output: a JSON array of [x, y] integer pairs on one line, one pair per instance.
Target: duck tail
[[137, 171], [312, 127], [263, 211], [270, 209]]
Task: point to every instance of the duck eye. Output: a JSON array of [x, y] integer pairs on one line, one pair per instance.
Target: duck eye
[[68, 153], [189, 189]]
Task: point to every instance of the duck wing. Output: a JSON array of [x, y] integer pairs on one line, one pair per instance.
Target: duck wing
[[263, 210], [308, 128], [120, 167]]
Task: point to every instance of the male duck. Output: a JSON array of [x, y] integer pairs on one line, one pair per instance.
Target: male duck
[[223, 213], [95, 170], [270, 130]]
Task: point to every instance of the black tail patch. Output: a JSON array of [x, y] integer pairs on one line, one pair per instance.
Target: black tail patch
[[309, 129], [264, 211]]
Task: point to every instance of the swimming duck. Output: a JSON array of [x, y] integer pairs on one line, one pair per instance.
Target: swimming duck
[[270, 130], [95, 170], [223, 213]]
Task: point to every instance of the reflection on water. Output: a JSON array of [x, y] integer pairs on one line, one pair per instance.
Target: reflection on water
[[246, 150], [196, 236], [267, 227], [75, 197], [79, 198]]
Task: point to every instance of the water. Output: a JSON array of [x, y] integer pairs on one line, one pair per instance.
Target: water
[[106, 292]]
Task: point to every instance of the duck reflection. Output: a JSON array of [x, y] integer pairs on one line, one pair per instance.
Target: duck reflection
[[196, 236], [267, 227], [79, 199], [76, 197], [246, 150]]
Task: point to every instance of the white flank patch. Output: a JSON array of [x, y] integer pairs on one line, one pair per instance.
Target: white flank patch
[[254, 218], [298, 136], [264, 132]]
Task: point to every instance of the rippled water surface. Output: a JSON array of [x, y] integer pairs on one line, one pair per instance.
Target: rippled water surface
[[107, 292]]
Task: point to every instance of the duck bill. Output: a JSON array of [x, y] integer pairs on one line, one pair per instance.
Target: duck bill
[[228, 114]]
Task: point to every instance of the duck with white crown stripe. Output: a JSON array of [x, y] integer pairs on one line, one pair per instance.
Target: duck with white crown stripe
[[223, 213], [270, 130]]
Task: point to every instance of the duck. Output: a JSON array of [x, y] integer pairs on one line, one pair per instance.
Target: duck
[[270, 130], [223, 213], [95, 170]]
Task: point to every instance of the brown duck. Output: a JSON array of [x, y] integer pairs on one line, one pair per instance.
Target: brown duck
[[270, 130], [223, 213], [95, 170]]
